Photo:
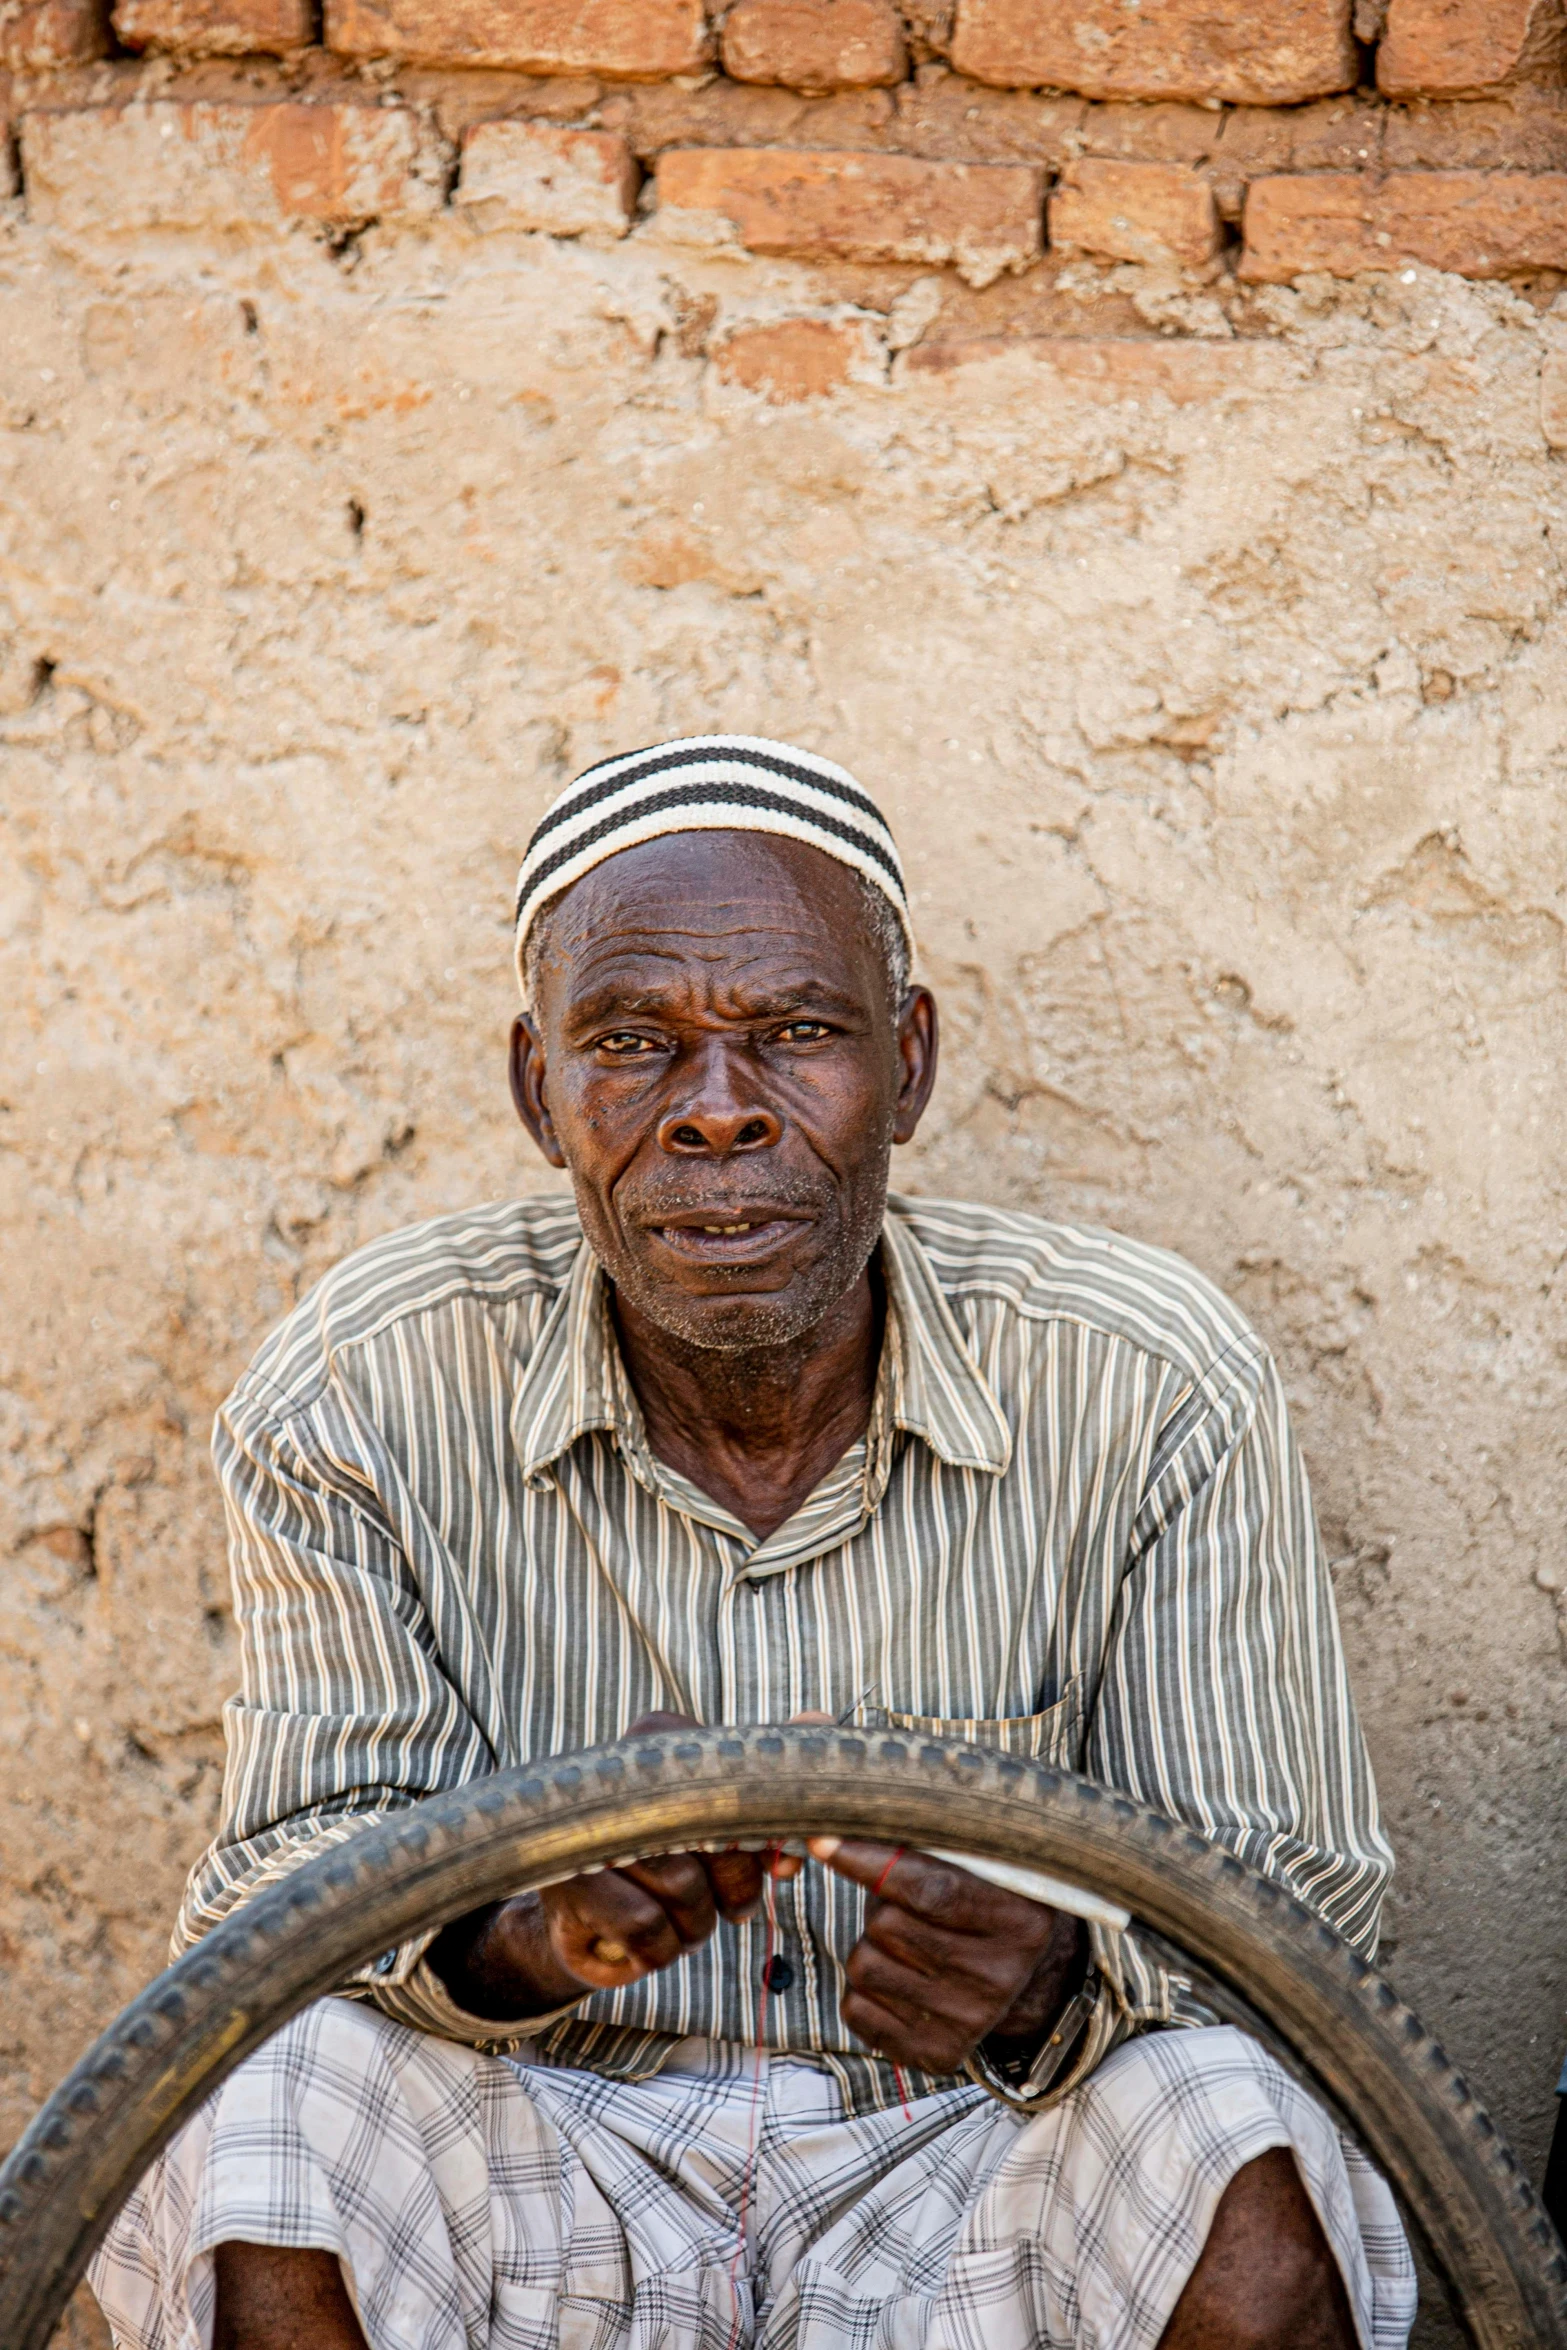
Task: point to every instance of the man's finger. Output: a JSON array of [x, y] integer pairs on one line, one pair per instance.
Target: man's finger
[[934, 1998], [933, 1889], [1000, 1963], [736, 1879], [680, 1884], [608, 1931], [904, 2036], [611, 1907]]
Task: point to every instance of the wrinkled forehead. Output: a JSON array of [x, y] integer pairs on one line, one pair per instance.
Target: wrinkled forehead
[[741, 909]]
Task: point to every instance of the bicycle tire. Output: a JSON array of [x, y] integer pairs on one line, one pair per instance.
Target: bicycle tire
[[1344, 2026]]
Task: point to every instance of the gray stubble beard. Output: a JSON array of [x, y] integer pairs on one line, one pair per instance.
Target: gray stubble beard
[[760, 1325]]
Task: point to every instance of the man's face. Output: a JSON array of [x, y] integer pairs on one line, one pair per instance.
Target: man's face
[[712, 1053]]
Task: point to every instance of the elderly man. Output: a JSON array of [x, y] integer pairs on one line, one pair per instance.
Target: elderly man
[[730, 1437]]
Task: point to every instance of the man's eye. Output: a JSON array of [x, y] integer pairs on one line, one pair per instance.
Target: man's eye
[[804, 1032], [625, 1046]]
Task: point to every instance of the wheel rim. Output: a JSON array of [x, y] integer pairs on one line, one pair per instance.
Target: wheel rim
[[1343, 2028]]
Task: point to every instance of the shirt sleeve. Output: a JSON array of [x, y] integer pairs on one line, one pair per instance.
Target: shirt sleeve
[[1225, 1702], [344, 1714]]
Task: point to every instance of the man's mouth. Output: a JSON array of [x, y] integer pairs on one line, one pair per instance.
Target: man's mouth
[[727, 1239]]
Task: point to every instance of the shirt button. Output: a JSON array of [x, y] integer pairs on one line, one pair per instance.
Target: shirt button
[[777, 1975]]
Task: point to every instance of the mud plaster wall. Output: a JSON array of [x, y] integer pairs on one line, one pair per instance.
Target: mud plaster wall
[[1225, 734]]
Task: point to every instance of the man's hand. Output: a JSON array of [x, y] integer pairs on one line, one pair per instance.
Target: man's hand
[[543, 1950], [947, 1961]]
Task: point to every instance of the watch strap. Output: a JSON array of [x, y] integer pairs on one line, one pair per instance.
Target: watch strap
[[1051, 2073]]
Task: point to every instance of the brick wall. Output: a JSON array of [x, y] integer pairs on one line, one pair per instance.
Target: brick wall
[[997, 139]]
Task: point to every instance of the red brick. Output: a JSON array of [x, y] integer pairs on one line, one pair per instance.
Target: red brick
[[1172, 132], [982, 218], [1231, 49], [198, 163], [815, 44], [459, 96], [1476, 223], [722, 113], [795, 359], [216, 28], [1125, 367], [1444, 47], [529, 175], [1234, 144], [955, 121], [625, 40], [1553, 399], [1524, 131], [1335, 134], [1154, 212], [38, 34]]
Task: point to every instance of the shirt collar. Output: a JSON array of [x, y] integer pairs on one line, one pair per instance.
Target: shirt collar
[[568, 1389], [939, 1391], [929, 1385]]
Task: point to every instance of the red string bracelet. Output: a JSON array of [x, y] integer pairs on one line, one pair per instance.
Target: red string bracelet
[[886, 1873]]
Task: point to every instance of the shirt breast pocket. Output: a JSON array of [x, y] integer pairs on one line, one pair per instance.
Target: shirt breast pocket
[[1054, 1736]]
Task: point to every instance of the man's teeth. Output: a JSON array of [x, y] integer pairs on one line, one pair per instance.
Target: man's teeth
[[719, 1231]]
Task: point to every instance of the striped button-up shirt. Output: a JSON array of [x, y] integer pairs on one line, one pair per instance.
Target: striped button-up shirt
[[1077, 1527]]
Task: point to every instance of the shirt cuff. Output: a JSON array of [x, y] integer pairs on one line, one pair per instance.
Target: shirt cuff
[[1147, 1992], [403, 1984]]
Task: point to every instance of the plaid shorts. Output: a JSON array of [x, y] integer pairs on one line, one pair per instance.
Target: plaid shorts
[[490, 2203]]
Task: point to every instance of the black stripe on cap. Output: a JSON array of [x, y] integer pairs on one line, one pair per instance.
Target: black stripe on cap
[[706, 795], [657, 760]]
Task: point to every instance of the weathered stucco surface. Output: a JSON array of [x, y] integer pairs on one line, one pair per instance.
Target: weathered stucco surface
[[1225, 734]]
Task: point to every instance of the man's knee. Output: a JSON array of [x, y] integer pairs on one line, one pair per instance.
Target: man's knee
[[272, 2298], [1267, 2278], [1164, 2106]]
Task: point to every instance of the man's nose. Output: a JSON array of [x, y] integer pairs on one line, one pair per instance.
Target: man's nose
[[719, 1115]]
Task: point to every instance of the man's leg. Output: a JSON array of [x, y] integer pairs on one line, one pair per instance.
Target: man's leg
[[420, 2166], [272, 2300], [357, 2170], [1189, 2196], [1266, 2279]]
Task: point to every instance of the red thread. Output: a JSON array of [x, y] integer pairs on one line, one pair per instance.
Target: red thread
[[769, 1863], [897, 2070], [886, 1873]]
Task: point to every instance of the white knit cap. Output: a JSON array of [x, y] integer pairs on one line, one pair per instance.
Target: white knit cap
[[707, 783]]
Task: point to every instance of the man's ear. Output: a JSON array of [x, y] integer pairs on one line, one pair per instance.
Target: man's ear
[[918, 1043], [525, 1065]]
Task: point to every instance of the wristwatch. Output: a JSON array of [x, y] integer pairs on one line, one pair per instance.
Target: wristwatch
[[1027, 2083]]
